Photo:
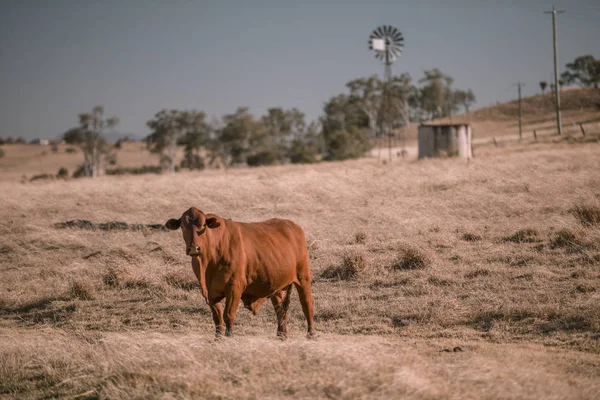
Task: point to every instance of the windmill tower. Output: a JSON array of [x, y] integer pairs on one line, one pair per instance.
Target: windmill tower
[[388, 43]]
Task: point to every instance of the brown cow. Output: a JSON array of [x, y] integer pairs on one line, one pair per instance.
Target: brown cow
[[247, 261]]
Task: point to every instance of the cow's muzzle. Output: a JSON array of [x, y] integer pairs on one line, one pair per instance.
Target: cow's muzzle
[[193, 251]]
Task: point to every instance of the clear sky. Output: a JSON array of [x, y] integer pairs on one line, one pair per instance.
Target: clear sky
[[60, 58]]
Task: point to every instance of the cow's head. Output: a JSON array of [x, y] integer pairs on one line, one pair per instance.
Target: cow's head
[[194, 225]]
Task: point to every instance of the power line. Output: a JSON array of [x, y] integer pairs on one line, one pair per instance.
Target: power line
[[556, 85]]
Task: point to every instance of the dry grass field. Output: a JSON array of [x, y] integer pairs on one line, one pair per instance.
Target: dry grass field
[[432, 279]]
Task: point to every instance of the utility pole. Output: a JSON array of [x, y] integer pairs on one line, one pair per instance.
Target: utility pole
[[519, 84], [556, 85]]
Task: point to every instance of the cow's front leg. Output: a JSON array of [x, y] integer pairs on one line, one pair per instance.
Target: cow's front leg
[[217, 313], [233, 294]]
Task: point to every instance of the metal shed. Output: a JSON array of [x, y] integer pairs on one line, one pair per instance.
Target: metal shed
[[445, 139]]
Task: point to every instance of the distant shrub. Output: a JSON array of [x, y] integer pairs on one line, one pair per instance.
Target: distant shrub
[[41, 177], [267, 157], [81, 290], [71, 150], [522, 236], [410, 259], [62, 173], [146, 169], [80, 172], [302, 152], [352, 264], [193, 161], [1, 153], [587, 215], [54, 148], [345, 144]]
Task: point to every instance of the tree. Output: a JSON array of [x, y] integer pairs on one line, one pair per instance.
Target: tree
[[195, 136], [366, 92], [465, 98], [88, 136], [543, 86], [169, 127], [435, 95], [235, 135], [584, 71], [402, 94], [73, 136], [306, 146], [344, 144]]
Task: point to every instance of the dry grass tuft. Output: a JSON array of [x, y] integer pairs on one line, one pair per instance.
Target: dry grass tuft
[[353, 264], [522, 236], [565, 239], [410, 259], [111, 278], [180, 280], [585, 288], [477, 273], [470, 237], [360, 237], [81, 289], [587, 215]]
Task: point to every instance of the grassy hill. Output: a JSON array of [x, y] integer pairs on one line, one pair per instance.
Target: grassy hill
[[577, 104], [432, 279]]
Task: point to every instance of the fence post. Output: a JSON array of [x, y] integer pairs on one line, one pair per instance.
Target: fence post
[[582, 130], [535, 135], [495, 142]]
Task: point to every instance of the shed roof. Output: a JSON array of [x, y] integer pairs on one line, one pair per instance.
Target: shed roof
[[438, 123]]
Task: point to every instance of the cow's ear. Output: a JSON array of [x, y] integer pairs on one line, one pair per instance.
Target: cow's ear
[[173, 224], [212, 223]]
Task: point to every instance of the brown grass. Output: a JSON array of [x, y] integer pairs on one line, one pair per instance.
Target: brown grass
[[588, 215], [118, 314]]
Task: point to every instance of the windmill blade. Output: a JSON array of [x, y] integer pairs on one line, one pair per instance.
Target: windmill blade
[[380, 31], [394, 31], [398, 37]]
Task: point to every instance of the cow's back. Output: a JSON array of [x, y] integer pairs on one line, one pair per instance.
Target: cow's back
[[273, 250]]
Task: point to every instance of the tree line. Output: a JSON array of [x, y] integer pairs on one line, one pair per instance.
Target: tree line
[[368, 109], [583, 71]]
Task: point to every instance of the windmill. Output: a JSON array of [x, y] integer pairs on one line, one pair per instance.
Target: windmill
[[388, 43]]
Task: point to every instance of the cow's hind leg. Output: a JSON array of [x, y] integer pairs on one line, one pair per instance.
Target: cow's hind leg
[[281, 302], [233, 294], [306, 297]]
